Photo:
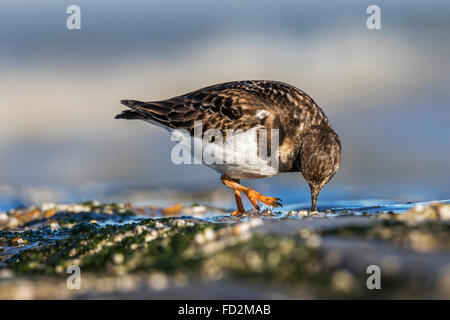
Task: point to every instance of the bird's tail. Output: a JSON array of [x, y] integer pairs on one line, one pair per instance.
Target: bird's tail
[[132, 103], [130, 114]]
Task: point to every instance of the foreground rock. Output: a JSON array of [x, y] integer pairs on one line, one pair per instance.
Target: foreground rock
[[126, 252]]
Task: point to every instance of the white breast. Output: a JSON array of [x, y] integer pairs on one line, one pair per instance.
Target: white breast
[[237, 155]]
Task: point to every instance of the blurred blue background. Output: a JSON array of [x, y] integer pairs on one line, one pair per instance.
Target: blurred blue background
[[386, 92]]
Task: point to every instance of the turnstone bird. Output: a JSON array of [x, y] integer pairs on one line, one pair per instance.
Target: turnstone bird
[[306, 141]]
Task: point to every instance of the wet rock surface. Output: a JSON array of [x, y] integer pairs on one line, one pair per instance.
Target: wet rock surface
[[200, 252]]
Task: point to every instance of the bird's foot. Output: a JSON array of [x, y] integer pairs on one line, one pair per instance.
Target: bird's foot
[[256, 197], [251, 194]]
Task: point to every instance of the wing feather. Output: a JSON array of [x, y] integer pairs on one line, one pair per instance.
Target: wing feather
[[231, 105]]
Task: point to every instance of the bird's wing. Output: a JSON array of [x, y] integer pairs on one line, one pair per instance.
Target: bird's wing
[[232, 105]]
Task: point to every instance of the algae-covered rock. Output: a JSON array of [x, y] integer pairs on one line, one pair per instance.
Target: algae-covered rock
[[119, 248]]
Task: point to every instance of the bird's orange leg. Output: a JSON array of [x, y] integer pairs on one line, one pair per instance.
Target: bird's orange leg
[[251, 194], [240, 206], [237, 196]]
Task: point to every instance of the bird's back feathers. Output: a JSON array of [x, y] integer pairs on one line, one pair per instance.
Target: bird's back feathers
[[230, 105]]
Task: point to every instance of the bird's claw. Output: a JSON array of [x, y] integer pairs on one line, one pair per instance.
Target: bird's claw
[[279, 202], [269, 201]]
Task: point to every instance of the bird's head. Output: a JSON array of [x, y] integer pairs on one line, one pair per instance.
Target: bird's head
[[319, 159]]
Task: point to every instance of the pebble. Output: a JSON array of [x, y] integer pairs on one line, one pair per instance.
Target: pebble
[[199, 238], [342, 280], [54, 225], [180, 222], [158, 281], [13, 222], [19, 240], [313, 241], [118, 258], [73, 252], [210, 235], [59, 269], [48, 206], [199, 209], [6, 273], [303, 213], [3, 218], [255, 222], [108, 210], [300, 213], [173, 210], [140, 229], [151, 236], [444, 212]]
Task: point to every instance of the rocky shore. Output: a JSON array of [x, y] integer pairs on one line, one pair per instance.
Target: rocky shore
[[198, 252]]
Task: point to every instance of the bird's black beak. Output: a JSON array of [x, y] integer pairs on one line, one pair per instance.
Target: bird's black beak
[[315, 190]]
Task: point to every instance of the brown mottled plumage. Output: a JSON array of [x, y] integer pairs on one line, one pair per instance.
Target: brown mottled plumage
[[307, 143]]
